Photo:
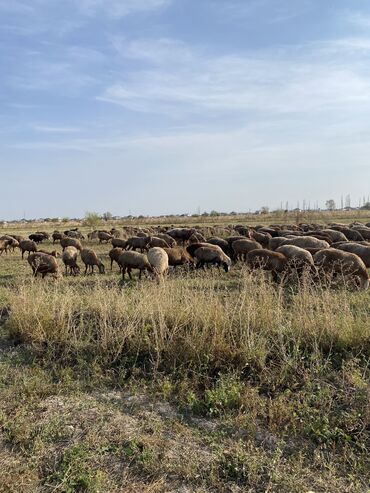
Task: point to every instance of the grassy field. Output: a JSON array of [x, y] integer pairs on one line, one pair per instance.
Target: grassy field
[[210, 382]]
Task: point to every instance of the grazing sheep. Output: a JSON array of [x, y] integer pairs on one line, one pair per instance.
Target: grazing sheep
[[133, 260], [275, 243], [27, 246], [299, 259], [264, 259], [114, 255], [214, 240], [9, 242], [178, 256], [104, 236], [196, 238], [335, 235], [343, 263], [212, 255], [43, 264], [350, 234], [181, 235], [57, 236], [67, 241], [307, 242], [90, 259], [119, 243], [93, 235], [158, 259], [167, 238], [262, 238], [115, 233], [138, 242], [4, 244], [242, 247], [157, 242], [364, 232], [44, 234], [362, 250], [69, 258], [37, 238], [74, 233]]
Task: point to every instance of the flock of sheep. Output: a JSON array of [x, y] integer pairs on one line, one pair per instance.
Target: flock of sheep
[[337, 250]]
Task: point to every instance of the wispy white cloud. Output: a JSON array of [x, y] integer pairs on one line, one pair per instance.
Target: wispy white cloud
[[286, 80], [155, 51], [119, 8], [50, 129]]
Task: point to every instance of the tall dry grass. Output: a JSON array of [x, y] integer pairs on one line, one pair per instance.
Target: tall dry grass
[[202, 324]]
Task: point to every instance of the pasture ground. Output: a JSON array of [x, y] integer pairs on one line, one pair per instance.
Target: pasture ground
[[211, 382]]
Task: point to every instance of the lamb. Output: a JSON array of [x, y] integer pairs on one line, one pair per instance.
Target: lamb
[[242, 247], [90, 259], [9, 243], [69, 258], [212, 255], [67, 241], [114, 255], [264, 259], [158, 259], [74, 233], [119, 243], [93, 235], [43, 264], [103, 236], [344, 263], [362, 250], [133, 260], [138, 242], [27, 246], [178, 256]]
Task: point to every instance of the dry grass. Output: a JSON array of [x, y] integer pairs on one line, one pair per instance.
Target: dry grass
[[208, 382]]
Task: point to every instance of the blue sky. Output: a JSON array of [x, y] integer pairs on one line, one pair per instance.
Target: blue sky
[[164, 106]]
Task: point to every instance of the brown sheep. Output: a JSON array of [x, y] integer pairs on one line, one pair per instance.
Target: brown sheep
[[43, 264], [104, 236], [133, 260], [214, 240], [242, 247], [157, 242], [114, 256], [211, 255], [90, 259], [307, 242], [119, 243], [67, 241], [57, 236], [167, 238], [138, 242], [362, 250], [275, 243], [181, 235], [178, 256], [344, 263], [274, 262], [27, 246], [69, 259]]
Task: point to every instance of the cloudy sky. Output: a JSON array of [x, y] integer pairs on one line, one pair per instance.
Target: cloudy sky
[[160, 106]]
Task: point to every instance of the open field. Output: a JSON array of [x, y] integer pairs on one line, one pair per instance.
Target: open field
[[209, 382]]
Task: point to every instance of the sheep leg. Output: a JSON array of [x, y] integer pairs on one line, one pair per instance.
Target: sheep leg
[[129, 273], [86, 266]]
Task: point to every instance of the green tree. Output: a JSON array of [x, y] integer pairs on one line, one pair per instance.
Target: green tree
[[92, 219]]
